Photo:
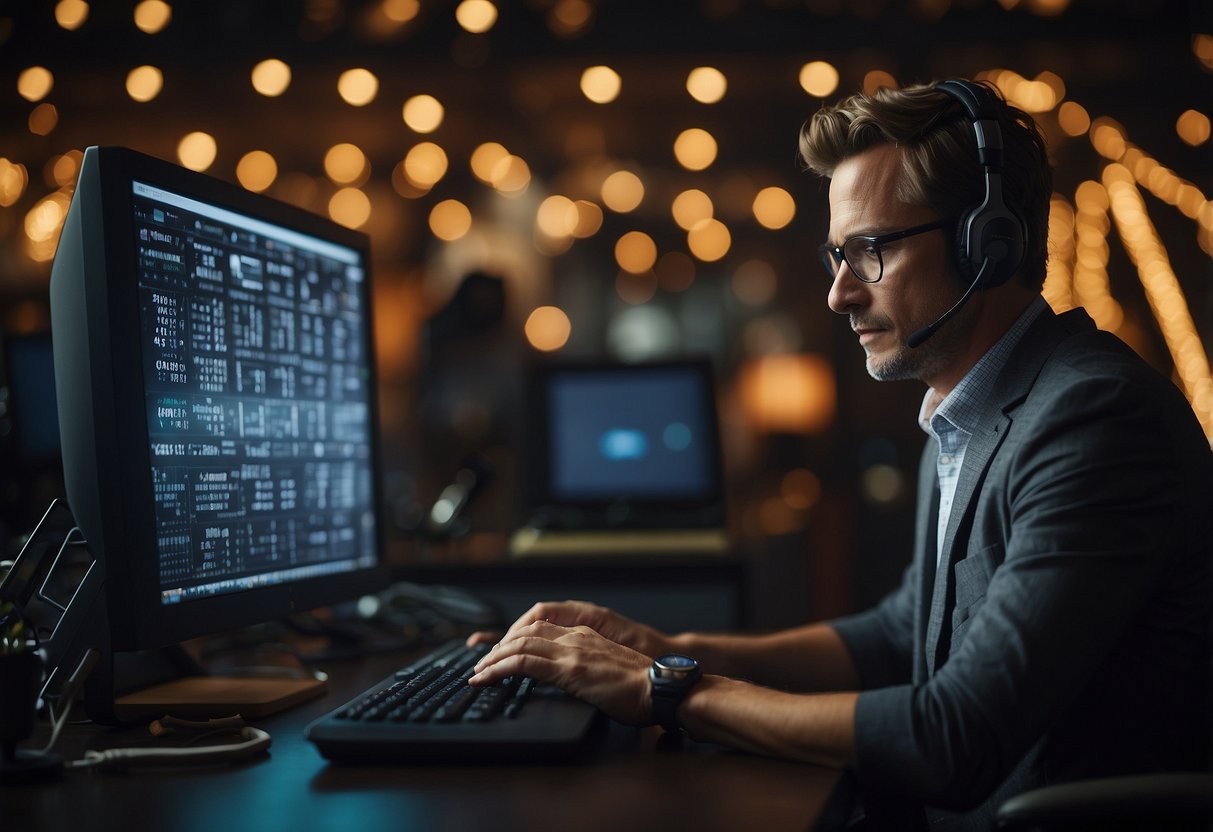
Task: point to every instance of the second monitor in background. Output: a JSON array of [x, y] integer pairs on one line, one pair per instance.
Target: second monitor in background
[[622, 458]]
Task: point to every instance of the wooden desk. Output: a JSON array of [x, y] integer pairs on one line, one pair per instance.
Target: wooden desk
[[631, 783]]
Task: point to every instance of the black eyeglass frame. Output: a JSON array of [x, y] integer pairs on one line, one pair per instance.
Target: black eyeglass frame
[[832, 257]]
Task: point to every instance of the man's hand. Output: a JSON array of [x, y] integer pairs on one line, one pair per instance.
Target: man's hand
[[605, 622], [579, 661]]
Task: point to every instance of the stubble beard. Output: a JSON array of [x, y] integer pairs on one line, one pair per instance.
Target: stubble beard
[[902, 365], [922, 362]]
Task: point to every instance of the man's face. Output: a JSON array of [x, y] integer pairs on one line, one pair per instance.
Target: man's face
[[918, 283]]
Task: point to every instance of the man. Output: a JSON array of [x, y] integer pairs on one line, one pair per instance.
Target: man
[[1054, 621]]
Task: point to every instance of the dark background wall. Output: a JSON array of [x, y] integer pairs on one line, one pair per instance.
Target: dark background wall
[[820, 506]]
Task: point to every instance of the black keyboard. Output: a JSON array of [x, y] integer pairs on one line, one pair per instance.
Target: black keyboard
[[426, 712]]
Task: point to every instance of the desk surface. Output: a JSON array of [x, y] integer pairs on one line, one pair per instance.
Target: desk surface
[[631, 783]]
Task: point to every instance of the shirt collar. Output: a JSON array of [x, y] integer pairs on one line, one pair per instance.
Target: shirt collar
[[962, 407]]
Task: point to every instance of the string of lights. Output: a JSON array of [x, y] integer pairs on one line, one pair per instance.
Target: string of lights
[[1163, 291]]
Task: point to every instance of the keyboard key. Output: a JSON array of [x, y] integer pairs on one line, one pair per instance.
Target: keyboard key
[[454, 707]]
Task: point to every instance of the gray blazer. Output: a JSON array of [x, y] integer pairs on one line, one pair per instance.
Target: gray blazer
[[1067, 634]]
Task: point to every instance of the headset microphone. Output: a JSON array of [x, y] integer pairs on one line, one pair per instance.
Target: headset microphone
[[919, 336]]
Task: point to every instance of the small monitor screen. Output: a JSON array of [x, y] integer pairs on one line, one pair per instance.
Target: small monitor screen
[[626, 433], [257, 398], [32, 404]]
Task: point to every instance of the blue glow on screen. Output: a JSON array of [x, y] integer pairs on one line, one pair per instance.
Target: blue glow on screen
[[677, 436], [627, 434], [622, 443]]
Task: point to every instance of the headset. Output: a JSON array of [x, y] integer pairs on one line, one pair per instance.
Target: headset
[[990, 236]]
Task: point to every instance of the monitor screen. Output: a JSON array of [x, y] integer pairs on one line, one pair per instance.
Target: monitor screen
[[216, 382], [258, 413], [623, 433], [613, 445]]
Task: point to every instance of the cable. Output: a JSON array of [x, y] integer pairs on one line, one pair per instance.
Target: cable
[[253, 741]]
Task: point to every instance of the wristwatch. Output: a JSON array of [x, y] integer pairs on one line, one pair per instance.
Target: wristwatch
[[672, 677]]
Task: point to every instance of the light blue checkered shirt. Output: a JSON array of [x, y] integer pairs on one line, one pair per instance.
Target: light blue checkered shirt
[[956, 417]]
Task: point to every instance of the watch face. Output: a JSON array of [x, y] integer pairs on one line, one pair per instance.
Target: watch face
[[674, 668], [673, 661]]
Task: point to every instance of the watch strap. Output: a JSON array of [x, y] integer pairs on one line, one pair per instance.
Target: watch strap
[[665, 708], [667, 693]]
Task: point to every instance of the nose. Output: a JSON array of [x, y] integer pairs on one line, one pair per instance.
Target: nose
[[847, 292]]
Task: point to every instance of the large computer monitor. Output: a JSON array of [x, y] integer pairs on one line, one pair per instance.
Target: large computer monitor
[[217, 401]]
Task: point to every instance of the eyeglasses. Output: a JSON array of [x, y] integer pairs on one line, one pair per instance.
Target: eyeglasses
[[863, 253]]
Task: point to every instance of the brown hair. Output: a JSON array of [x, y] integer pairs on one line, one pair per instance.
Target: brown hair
[[939, 156]]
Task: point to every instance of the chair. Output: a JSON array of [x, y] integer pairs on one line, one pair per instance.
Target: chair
[[1171, 801]]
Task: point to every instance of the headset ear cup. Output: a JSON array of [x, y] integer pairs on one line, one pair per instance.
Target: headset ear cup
[[993, 233], [1002, 241]]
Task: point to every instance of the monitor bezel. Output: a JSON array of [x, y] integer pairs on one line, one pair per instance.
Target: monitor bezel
[[125, 507]]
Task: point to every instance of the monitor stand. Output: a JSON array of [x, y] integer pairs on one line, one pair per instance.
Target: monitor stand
[[191, 693], [122, 687], [127, 688]]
